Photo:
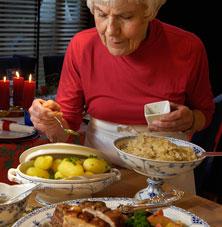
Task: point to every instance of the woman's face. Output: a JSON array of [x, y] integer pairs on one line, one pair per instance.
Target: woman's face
[[121, 26]]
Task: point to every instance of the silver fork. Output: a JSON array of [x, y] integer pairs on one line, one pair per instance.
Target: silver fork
[[66, 130], [163, 200]]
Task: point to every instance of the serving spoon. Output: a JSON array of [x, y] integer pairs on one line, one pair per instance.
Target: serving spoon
[[210, 154], [7, 200], [66, 130]]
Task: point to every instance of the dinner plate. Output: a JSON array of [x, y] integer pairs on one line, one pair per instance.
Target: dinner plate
[[10, 136], [43, 215]]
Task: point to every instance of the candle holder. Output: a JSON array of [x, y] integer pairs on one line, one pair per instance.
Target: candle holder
[[13, 111]]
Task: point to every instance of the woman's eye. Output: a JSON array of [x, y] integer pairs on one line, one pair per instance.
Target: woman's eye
[[126, 17], [102, 15]]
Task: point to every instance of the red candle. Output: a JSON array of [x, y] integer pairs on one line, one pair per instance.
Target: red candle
[[18, 84], [28, 93], [4, 94]]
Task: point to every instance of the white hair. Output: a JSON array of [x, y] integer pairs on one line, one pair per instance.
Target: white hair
[[153, 6]]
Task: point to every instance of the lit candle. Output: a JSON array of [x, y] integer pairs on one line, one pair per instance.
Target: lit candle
[[18, 84], [28, 92], [4, 94]]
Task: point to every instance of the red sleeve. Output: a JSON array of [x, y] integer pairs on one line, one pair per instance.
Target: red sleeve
[[70, 94], [199, 89]]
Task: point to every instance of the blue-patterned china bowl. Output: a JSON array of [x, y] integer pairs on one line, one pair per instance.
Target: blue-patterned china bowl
[[53, 191], [10, 212], [155, 168]]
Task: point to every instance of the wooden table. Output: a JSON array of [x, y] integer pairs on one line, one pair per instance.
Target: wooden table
[[132, 182]]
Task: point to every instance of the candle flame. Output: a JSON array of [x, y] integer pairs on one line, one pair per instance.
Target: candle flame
[[4, 78], [30, 78], [17, 74]]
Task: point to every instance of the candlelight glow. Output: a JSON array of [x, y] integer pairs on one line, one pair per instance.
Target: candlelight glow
[[30, 77], [17, 74], [4, 78]]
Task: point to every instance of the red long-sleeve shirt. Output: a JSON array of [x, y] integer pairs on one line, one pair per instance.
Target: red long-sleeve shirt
[[170, 64]]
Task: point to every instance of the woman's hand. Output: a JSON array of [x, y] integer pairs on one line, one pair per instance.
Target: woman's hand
[[181, 118], [42, 115]]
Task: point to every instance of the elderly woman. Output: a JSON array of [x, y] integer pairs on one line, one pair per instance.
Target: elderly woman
[[128, 60]]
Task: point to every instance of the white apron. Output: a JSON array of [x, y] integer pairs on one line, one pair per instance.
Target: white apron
[[101, 134]]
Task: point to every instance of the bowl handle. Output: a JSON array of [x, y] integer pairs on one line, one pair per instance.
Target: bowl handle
[[13, 177], [117, 174]]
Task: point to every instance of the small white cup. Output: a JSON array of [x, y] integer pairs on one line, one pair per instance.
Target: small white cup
[[155, 110]]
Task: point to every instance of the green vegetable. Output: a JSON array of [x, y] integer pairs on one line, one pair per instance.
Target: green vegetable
[[139, 219], [72, 159]]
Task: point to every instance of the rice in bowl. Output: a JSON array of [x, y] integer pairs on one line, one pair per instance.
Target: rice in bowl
[[157, 148]]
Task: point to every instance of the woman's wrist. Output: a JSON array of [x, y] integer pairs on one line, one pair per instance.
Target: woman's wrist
[[191, 129], [55, 132], [198, 122]]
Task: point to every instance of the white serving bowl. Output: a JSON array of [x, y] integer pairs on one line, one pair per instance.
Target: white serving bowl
[[10, 212], [51, 190], [158, 171], [155, 110], [156, 168]]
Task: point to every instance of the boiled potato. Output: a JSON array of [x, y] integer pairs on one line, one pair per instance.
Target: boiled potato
[[55, 164], [69, 169], [95, 165], [105, 163], [43, 162], [37, 172], [58, 175], [88, 173]]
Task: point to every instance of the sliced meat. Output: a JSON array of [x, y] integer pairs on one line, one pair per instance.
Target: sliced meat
[[113, 217], [87, 214]]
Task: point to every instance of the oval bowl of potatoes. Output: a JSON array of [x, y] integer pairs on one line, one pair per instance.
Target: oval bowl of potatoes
[[64, 171]]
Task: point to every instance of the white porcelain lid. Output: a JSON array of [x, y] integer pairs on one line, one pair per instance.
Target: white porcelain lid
[[58, 148]]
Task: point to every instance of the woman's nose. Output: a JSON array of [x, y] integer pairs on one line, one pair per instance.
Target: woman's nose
[[113, 27]]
